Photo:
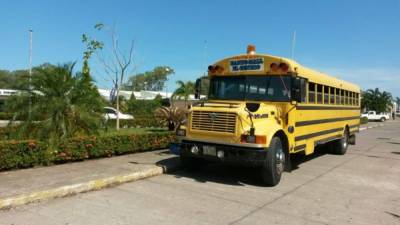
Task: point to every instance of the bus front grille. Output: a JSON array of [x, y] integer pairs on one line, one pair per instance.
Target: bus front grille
[[214, 121]]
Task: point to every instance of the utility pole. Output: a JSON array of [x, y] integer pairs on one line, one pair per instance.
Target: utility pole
[[30, 70], [293, 44]]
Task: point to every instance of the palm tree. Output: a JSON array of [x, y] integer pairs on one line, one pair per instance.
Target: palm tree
[[184, 90], [172, 115], [62, 104], [376, 100]]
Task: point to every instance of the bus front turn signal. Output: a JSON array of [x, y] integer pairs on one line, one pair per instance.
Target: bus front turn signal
[[254, 139]]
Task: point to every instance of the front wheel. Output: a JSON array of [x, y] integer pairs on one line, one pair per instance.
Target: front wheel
[[274, 163], [340, 146]]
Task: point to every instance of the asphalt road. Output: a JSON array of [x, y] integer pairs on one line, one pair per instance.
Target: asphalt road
[[361, 187]]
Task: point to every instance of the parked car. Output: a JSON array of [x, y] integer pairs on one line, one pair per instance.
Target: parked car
[[111, 113], [372, 115]]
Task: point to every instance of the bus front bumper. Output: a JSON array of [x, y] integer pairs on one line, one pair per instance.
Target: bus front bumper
[[223, 153]]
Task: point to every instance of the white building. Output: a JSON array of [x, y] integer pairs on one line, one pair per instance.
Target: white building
[[145, 95]]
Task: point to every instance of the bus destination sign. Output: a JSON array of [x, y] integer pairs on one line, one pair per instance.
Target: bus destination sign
[[239, 65]]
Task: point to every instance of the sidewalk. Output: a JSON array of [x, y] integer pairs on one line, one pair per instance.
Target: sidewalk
[[370, 125], [28, 185]]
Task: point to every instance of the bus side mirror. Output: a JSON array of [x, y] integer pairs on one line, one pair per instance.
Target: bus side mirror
[[296, 89], [197, 89]]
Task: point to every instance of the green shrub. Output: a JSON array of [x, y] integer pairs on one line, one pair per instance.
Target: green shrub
[[22, 154], [5, 116], [138, 121], [82, 148], [364, 120], [6, 132], [28, 153], [140, 108], [20, 132]]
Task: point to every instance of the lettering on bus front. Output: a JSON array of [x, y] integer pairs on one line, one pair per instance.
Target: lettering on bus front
[[247, 65]]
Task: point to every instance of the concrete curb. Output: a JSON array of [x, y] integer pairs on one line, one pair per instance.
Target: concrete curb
[[370, 127], [73, 189]]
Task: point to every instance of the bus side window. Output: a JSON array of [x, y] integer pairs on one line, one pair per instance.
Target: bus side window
[[347, 98], [311, 92], [332, 96], [326, 95], [303, 89], [319, 93], [351, 98], [337, 96], [357, 98], [342, 97]]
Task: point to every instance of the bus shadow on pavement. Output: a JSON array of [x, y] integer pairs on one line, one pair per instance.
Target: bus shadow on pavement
[[238, 175], [298, 159], [222, 173]]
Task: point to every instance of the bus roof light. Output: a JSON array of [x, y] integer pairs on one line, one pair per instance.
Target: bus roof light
[[251, 49], [274, 67], [284, 67], [219, 69], [211, 69]]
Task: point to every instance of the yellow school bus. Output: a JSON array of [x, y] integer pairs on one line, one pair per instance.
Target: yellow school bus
[[262, 108]]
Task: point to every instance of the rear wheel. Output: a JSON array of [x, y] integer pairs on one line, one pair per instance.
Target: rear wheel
[[383, 119], [340, 146], [274, 164]]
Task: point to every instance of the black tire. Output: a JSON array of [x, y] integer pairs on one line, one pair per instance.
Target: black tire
[[190, 163], [340, 146], [383, 119], [274, 164]]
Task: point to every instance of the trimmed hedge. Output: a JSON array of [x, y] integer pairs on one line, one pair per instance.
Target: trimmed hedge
[[138, 121], [22, 154]]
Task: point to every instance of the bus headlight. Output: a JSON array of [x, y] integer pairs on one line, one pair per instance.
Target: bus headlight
[[194, 150]]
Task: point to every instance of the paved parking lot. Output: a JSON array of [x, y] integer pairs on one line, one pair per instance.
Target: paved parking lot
[[361, 187]]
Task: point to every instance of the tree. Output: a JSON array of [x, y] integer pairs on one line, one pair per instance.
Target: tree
[[123, 103], [184, 90], [153, 80], [398, 103], [116, 64], [59, 108], [17, 79], [376, 100]]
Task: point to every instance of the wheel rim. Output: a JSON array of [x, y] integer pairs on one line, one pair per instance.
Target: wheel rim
[[280, 160], [346, 137]]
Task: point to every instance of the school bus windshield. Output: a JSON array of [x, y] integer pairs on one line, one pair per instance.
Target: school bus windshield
[[256, 88]]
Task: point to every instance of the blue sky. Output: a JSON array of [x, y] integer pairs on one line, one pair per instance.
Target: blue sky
[[357, 41]]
